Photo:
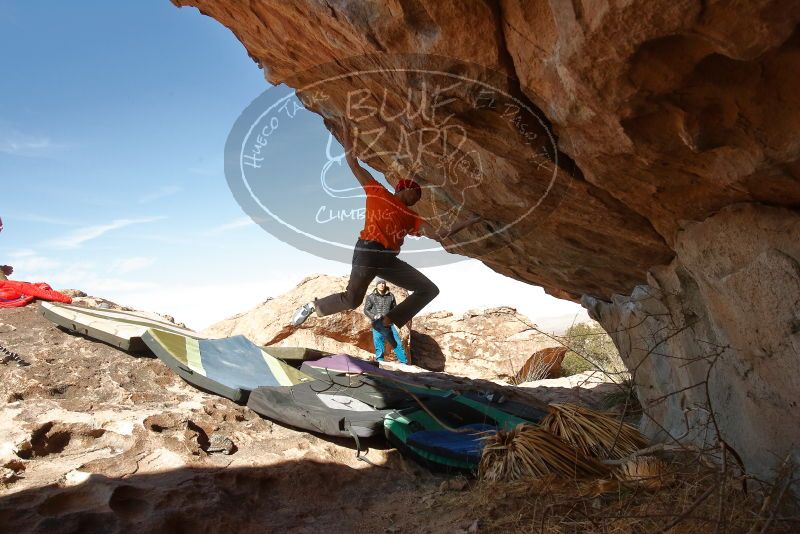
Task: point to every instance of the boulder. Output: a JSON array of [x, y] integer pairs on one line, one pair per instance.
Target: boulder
[[491, 344], [713, 339], [545, 363]]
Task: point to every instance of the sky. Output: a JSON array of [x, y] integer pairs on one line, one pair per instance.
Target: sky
[[113, 123]]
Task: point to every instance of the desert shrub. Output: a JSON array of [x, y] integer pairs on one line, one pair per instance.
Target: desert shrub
[[574, 364], [590, 348]]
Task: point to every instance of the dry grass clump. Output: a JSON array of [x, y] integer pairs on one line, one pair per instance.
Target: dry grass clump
[[698, 498], [532, 371], [530, 452], [594, 433], [535, 481], [642, 473]]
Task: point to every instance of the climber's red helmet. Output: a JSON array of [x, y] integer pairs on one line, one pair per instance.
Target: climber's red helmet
[[408, 191]]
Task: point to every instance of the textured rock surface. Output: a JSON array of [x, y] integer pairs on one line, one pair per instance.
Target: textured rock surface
[[720, 324], [664, 112], [489, 344], [268, 323]]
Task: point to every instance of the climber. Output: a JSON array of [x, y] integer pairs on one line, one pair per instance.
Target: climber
[[379, 303], [387, 221]]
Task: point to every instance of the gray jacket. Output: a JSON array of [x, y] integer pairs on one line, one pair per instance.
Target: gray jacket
[[377, 305]]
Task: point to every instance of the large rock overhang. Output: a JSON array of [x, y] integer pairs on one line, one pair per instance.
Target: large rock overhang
[[662, 112]]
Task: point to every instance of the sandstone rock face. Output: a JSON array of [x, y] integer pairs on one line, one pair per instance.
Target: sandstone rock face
[[268, 324], [718, 332], [489, 344], [664, 113]]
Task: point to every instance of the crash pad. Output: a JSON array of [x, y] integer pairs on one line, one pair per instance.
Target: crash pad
[[231, 367], [312, 407], [122, 329], [345, 363], [466, 444], [452, 412], [344, 372]]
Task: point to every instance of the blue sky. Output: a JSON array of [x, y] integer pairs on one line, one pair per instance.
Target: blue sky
[[113, 121]]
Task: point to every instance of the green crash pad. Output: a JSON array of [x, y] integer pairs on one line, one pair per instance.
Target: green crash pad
[[122, 329], [231, 367]]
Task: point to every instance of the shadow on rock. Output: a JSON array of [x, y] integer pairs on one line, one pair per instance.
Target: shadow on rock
[[295, 496], [426, 352]]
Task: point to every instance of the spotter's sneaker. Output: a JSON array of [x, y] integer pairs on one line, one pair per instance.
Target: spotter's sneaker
[[385, 331], [302, 314]]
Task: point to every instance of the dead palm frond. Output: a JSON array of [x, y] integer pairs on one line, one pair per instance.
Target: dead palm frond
[[530, 452], [594, 433]]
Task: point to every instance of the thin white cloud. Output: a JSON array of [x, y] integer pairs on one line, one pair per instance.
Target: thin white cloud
[[22, 253], [19, 146], [127, 265], [25, 261], [16, 143], [87, 233], [161, 192], [241, 222], [84, 275]]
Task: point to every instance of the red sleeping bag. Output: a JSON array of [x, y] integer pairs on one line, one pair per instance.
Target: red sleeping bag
[[14, 294]]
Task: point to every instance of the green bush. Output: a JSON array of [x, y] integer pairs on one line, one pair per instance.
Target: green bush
[[574, 364], [590, 348]]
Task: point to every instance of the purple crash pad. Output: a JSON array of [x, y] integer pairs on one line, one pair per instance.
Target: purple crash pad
[[344, 363]]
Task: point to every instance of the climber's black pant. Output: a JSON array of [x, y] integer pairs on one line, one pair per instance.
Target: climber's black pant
[[371, 259]]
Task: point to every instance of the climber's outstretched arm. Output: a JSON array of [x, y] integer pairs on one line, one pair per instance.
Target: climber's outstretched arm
[[362, 175]]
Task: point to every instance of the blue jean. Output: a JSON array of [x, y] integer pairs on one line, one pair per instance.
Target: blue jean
[[377, 339]]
